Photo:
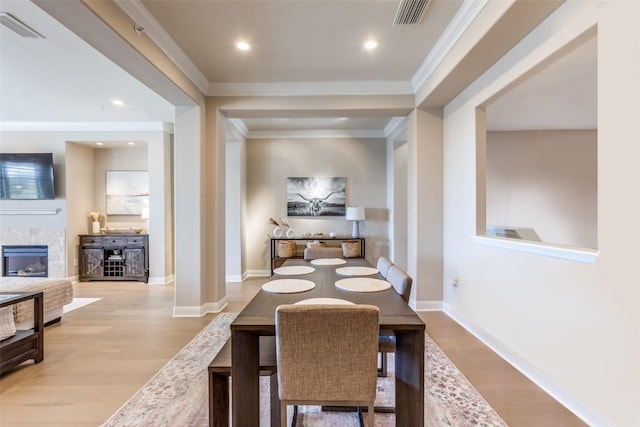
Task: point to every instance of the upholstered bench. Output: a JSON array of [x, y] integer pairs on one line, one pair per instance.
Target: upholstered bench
[[220, 372]]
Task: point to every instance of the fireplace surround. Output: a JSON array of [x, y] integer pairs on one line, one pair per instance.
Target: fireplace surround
[[53, 238]]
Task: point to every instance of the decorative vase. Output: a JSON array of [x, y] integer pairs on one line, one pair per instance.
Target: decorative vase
[[95, 227], [278, 232], [290, 233]]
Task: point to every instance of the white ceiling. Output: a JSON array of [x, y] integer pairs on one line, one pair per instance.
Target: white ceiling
[[63, 79]]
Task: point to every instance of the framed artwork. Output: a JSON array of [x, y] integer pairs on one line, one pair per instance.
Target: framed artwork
[[316, 196], [127, 192]]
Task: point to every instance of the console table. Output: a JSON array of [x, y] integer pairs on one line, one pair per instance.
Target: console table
[[25, 344], [114, 257], [330, 241]]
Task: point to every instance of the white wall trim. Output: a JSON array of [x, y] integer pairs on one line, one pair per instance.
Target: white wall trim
[[584, 413], [428, 306], [457, 26], [234, 278], [162, 280], [394, 126], [571, 253], [258, 273], [317, 134], [136, 10], [311, 88], [141, 126], [238, 128], [30, 211], [199, 311]]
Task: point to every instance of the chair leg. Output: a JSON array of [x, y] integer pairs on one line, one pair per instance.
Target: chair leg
[[283, 414], [382, 372], [295, 416], [371, 415], [360, 416]]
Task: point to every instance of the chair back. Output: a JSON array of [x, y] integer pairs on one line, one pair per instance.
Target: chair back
[[383, 266], [401, 281], [316, 253], [327, 352]]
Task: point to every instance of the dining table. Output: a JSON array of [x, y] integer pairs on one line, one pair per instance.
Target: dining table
[[258, 319]]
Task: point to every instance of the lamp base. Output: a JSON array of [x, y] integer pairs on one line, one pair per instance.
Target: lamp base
[[355, 233]]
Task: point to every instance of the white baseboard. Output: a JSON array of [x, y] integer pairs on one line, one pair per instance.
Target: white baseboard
[[258, 273], [426, 305], [161, 280], [199, 311], [581, 411], [234, 278]]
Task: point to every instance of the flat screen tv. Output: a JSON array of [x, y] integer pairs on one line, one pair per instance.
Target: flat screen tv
[[26, 176]]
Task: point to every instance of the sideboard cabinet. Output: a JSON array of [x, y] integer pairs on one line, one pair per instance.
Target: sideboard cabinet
[[114, 257]]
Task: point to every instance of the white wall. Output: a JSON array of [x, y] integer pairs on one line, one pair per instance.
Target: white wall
[[234, 196], [546, 180], [269, 162], [572, 326], [37, 142]]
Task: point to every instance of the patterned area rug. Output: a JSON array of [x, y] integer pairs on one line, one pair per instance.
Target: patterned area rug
[[178, 394]]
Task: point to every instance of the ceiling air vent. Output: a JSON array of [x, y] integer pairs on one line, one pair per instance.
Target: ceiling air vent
[[18, 27], [410, 12]]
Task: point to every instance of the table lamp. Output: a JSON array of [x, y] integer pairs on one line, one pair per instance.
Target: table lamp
[[355, 214]]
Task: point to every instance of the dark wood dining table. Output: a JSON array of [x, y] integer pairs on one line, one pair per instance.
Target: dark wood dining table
[[258, 318]]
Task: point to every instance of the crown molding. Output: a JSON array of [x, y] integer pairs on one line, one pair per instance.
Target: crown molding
[[465, 15], [311, 88], [317, 134], [237, 127], [136, 10], [86, 127], [394, 125]]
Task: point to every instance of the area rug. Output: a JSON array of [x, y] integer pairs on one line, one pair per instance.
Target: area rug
[[78, 303], [178, 394]]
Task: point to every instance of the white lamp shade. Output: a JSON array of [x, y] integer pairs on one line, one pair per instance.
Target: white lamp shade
[[355, 213]]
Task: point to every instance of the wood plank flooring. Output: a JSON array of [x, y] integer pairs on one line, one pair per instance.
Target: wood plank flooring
[[101, 354]]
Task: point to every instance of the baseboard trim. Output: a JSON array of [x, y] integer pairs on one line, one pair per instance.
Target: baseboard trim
[[258, 273], [199, 311], [161, 280], [233, 278], [427, 305], [581, 411]]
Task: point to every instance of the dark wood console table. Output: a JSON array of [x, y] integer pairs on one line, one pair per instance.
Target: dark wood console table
[[25, 344], [330, 241], [114, 257]]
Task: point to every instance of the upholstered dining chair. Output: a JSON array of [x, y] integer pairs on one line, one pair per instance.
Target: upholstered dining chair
[[383, 266], [316, 253], [401, 282], [326, 355]]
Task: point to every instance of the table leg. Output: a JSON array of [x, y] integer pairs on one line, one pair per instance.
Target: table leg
[[245, 374], [410, 378]]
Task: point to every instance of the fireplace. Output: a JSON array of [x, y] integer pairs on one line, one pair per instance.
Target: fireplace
[[23, 260]]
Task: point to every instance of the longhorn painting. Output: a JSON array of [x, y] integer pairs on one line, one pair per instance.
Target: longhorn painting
[[316, 196]]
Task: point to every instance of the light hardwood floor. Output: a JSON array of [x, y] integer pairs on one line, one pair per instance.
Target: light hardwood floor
[[101, 354]]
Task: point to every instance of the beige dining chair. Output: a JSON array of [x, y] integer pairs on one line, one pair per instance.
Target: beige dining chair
[[326, 355], [383, 266], [401, 282], [317, 253]]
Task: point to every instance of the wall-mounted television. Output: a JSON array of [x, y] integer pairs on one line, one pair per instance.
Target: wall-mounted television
[[26, 176]]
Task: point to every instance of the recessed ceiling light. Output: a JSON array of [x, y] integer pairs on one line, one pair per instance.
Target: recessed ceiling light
[[99, 143], [242, 45], [371, 44], [131, 143], [118, 102]]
